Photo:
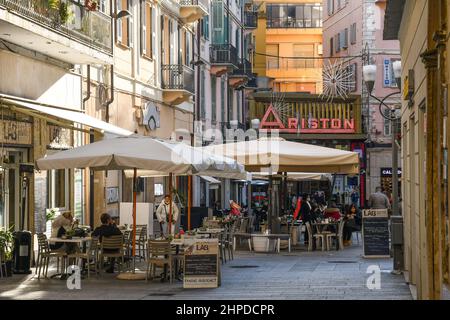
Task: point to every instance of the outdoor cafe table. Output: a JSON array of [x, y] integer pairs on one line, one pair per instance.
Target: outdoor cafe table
[[80, 241], [321, 227], [272, 236], [210, 232]]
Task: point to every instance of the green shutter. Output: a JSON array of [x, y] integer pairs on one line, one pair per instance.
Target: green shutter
[[218, 21]]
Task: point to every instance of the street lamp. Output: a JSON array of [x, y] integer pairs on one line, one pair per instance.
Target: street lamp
[[369, 75]]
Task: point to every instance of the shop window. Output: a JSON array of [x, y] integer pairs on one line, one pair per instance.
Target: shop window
[[58, 188], [41, 200]]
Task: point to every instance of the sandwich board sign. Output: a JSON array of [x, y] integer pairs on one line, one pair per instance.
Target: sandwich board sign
[[375, 233], [201, 264]]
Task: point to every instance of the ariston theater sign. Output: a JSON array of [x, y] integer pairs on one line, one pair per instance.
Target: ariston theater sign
[[310, 125]]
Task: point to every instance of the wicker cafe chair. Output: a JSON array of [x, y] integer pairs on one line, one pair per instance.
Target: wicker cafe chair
[[114, 249], [128, 246], [45, 254], [339, 237], [141, 241], [159, 254], [91, 254]]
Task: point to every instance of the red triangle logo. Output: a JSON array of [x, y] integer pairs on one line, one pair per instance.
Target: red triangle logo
[[277, 124]]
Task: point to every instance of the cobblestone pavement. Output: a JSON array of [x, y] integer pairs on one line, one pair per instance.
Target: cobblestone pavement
[[299, 275]]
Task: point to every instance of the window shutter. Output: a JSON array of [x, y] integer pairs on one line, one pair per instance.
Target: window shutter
[[153, 32], [119, 23], [130, 25], [218, 22], [143, 8], [149, 28], [345, 38], [124, 23], [330, 6]]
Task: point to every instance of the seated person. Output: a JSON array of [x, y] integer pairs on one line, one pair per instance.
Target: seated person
[[332, 212], [350, 224], [59, 226], [107, 229]]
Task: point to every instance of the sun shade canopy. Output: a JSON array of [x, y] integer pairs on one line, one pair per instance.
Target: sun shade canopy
[[287, 156], [141, 153], [65, 114]]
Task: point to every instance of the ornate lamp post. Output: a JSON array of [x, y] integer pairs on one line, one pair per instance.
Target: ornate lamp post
[[370, 74]]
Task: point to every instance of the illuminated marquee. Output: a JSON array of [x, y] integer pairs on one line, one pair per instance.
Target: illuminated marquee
[[311, 125]]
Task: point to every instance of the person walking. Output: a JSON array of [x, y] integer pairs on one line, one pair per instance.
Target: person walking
[[162, 214], [379, 200]]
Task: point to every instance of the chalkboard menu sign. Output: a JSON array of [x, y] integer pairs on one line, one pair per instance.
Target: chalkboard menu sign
[[201, 264], [375, 233]]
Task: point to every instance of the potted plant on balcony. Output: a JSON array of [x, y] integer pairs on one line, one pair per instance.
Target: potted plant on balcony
[[65, 13], [6, 250], [53, 4], [91, 5]]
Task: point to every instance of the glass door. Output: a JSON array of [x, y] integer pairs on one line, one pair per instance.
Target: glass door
[[4, 177]]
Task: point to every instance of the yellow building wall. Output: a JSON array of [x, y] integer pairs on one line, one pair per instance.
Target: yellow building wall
[[289, 75]]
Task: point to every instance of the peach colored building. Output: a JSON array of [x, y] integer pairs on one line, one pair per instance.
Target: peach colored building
[[349, 28], [288, 31]]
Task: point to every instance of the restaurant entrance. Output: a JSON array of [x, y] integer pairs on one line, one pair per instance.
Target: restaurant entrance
[[10, 188]]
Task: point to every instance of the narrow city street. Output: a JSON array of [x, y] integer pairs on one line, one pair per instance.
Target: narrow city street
[[299, 275]]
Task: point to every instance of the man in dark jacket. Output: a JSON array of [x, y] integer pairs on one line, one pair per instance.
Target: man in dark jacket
[[107, 229], [306, 213]]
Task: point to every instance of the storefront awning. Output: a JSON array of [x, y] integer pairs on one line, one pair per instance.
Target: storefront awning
[[211, 180], [29, 107]]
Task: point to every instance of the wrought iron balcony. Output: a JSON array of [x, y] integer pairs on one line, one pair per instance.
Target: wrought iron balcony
[[244, 69], [251, 19], [252, 83], [177, 77], [69, 18], [223, 54]]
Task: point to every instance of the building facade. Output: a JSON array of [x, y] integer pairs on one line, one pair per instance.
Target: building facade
[[42, 51], [421, 27], [289, 45], [310, 119], [352, 34], [157, 68]]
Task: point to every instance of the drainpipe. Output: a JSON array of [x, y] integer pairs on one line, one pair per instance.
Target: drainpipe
[[88, 93], [111, 98]]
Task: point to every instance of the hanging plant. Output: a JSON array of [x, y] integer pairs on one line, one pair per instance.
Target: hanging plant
[[91, 5], [53, 4], [65, 13]]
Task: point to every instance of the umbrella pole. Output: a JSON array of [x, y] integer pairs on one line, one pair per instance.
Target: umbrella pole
[[189, 202], [134, 217], [133, 275], [170, 204]]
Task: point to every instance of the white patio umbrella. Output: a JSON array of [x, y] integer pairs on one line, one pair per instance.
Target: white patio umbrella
[[287, 156], [272, 155], [139, 152], [298, 176]]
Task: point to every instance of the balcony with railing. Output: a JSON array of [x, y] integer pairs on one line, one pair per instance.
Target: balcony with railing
[[63, 29], [177, 83], [241, 75], [252, 84], [250, 19], [223, 58], [192, 10]]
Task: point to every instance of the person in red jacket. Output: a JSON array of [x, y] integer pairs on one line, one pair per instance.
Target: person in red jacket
[[332, 212], [297, 207]]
